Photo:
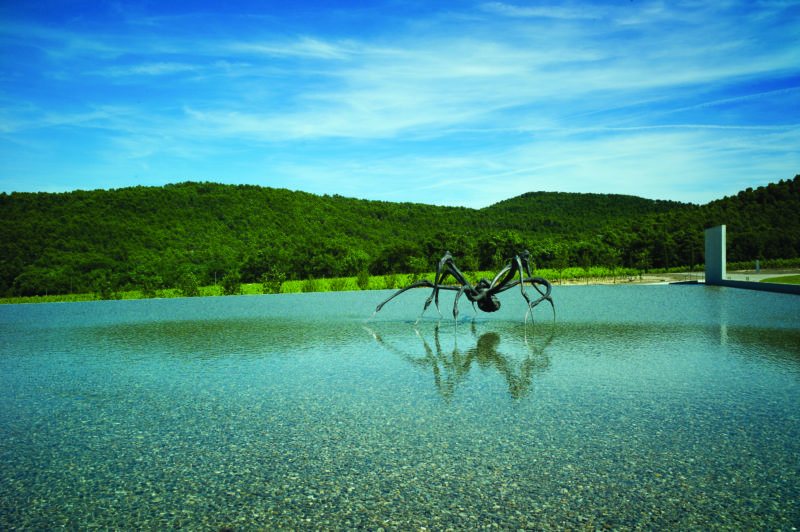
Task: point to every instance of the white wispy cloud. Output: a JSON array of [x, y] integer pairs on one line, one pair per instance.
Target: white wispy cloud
[[304, 47], [549, 11], [152, 69]]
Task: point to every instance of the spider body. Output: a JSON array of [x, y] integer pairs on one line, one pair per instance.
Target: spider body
[[483, 293], [489, 304]]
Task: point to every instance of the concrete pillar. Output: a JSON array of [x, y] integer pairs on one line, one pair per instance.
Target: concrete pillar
[[715, 255]]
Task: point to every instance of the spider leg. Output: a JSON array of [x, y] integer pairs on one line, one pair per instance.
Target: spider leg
[[526, 256], [447, 266], [424, 282], [507, 282], [455, 305], [436, 289], [502, 272], [428, 303], [443, 263], [535, 281], [521, 264], [518, 262]]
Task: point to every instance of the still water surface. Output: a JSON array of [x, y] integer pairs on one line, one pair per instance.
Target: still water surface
[[646, 407]]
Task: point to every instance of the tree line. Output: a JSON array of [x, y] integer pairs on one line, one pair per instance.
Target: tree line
[[206, 233]]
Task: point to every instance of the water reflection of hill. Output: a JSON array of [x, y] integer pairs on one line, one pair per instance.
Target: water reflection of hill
[[209, 339], [518, 358]]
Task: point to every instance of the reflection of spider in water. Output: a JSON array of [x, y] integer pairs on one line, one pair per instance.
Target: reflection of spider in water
[[451, 367], [483, 293]]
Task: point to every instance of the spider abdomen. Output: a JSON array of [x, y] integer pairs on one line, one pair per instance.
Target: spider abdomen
[[489, 304]]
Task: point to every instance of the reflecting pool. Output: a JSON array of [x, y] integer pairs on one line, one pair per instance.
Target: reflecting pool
[[648, 407]]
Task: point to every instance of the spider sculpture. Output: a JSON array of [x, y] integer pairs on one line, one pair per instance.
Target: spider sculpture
[[484, 292]]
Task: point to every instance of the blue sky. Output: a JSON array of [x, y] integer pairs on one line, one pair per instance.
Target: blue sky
[[450, 103]]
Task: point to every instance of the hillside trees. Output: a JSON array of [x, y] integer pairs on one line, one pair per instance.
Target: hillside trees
[[400, 257], [154, 237]]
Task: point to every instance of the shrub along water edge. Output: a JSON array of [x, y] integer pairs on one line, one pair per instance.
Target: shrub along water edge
[[276, 284]]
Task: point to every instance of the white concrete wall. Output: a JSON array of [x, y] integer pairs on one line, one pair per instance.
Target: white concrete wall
[[715, 255]]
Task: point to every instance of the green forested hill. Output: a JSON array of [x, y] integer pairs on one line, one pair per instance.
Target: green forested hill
[[139, 236], [571, 213]]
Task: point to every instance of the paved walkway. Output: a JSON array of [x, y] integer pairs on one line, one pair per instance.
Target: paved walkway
[[700, 276], [752, 276]]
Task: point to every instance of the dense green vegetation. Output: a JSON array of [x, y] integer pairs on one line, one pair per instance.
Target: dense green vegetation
[[190, 235], [363, 281]]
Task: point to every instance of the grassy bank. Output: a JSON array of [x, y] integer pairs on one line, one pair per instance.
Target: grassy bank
[[378, 282], [787, 279]]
